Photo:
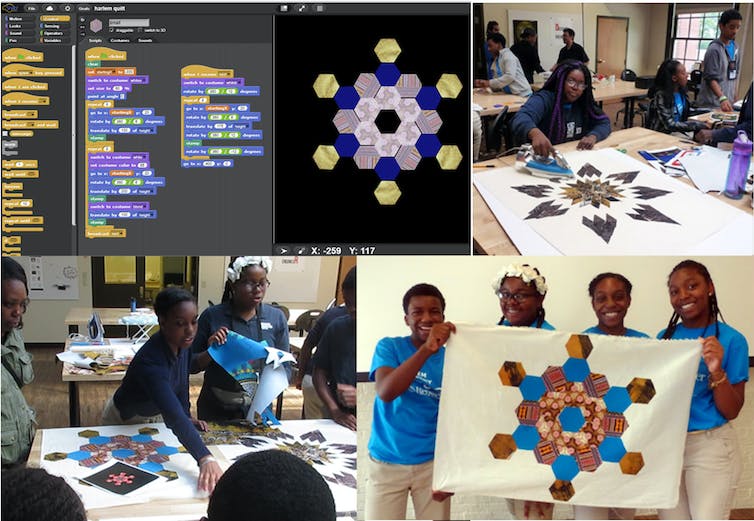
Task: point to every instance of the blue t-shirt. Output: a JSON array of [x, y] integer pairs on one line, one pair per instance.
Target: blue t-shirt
[[545, 325], [404, 430], [704, 414], [731, 48], [680, 103], [629, 332]]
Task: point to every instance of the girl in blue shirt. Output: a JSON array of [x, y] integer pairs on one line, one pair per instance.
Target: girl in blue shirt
[[611, 298], [669, 108], [712, 464], [521, 290]]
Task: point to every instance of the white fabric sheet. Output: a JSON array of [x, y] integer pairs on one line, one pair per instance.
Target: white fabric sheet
[[475, 406]]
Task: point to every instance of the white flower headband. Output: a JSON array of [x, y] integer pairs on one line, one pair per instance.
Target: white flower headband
[[522, 271], [234, 272]]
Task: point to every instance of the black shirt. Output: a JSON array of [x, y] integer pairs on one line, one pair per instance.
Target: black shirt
[[576, 52], [529, 57]]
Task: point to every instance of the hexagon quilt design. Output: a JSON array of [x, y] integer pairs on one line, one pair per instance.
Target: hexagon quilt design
[[571, 418], [376, 98]]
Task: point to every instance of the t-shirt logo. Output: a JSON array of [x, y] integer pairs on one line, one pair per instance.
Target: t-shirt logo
[[570, 129]]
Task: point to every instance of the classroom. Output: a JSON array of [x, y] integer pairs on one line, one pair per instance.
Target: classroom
[[71, 398], [625, 131], [466, 284]]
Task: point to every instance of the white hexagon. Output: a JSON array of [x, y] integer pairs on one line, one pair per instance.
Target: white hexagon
[[408, 157], [367, 133], [408, 85], [429, 122], [408, 109], [387, 145], [346, 121], [367, 85], [367, 109], [366, 157], [407, 133], [388, 98]]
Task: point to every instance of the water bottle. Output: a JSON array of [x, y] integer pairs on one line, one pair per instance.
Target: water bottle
[[133, 304], [738, 168]]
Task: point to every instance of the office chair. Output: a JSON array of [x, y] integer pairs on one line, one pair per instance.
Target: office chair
[[694, 83], [306, 320], [642, 101], [284, 309], [497, 132]]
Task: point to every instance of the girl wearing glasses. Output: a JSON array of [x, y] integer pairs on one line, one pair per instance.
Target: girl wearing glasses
[[17, 417], [521, 290], [711, 461], [563, 110], [243, 312]]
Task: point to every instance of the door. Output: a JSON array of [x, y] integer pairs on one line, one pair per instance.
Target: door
[[612, 45]]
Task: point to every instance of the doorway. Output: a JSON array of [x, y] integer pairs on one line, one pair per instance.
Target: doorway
[[612, 48]]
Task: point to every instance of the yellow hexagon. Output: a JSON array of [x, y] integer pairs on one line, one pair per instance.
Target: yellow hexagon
[[449, 157], [326, 85], [387, 192], [326, 156], [387, 50], [449, 86]]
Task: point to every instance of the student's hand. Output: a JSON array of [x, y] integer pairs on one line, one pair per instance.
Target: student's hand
[[726, 106], [482, 84], [439, 495], [703, 136], [200, 424], [347, 395], [345, 419], [587, 142], [540, 143], [438, 335], [209, 473], [218, 337], [712, 353]]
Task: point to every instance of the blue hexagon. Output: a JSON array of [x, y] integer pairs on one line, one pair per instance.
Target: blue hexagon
[[428, 145], [565, 467], [79, 455], [387, 168], [428, 98], [346, 145], [143, 438], [347, 97], [167, 451], [151, 466], [123, 453], [387, 74], [576, 369], [571, 419], [612, 449], [526, 437], [532, 388], [617, 399], [99, 440]]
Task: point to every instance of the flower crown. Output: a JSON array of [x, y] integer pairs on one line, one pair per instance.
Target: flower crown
[[524, 272], [234, 272]]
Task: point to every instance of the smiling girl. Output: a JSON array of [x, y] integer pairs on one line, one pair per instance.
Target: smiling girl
[[712, 464]]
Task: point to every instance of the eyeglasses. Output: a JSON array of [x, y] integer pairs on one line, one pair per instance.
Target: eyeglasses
[[262, 284], [518, 297], [575, 84], [22, 304]]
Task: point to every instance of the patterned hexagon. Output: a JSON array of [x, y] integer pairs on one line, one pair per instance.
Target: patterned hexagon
[[571, 418], [362, 108]]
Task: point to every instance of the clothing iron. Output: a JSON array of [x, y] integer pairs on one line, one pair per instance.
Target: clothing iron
[[542, 166]]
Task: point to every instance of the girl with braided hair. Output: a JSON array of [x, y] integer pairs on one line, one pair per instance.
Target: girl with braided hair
[[563, 110], [669, 109], [712, 463]]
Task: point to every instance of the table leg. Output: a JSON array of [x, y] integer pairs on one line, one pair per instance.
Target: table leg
[[627, 112], [74, 412]]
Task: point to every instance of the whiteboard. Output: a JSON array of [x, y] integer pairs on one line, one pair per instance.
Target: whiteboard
[[549, 32], [51, 278]]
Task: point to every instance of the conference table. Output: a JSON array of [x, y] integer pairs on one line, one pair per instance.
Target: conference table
[[59, 451], [490, 237]]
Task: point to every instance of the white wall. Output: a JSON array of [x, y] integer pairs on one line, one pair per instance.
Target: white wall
[[465, 283]]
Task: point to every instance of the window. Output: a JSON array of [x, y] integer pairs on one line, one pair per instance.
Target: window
[[695, 28]]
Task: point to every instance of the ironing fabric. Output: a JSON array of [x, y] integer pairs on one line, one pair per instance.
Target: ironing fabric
[[563, 110]]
